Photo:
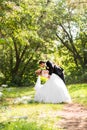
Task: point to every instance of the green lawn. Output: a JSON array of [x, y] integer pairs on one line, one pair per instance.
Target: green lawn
[[78, 93], [34, 116]]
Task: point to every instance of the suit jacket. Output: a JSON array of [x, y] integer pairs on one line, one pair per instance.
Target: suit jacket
[[55, 69]]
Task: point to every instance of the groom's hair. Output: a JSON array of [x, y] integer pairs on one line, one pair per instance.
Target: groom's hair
[[42, 62]]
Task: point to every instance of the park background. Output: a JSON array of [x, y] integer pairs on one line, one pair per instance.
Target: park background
[[33, 30]]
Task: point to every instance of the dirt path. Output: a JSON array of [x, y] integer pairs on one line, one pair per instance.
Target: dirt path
[[74, 117]]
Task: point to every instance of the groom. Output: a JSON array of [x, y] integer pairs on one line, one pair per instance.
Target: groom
[[52, 68]]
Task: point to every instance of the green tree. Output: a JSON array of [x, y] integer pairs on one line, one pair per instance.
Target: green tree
[[21, 44], [32, 30]]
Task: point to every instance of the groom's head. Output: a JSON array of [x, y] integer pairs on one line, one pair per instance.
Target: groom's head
[[42, 63]]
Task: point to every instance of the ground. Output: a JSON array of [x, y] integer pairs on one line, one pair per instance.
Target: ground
[[74, 117]]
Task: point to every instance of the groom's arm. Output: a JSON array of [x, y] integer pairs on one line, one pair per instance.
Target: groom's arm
[[49, 67], [49, 64]]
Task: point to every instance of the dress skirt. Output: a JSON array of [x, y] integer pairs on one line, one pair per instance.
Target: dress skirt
[[53, 91]]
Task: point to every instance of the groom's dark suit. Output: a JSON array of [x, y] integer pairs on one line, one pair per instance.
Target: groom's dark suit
[[55, 69]]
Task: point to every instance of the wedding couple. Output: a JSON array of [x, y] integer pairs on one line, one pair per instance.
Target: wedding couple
[[54, 90]]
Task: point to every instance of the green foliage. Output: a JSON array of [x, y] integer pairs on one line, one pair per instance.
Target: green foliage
[[34, 30], [75, 76], [20, 44]]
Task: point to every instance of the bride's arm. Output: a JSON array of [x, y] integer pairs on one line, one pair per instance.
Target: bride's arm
[[38, 72]]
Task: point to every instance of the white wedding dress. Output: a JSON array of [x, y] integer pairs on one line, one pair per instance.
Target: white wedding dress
[[53, 91]]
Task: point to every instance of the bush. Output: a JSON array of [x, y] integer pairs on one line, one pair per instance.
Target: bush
[[76, 77]]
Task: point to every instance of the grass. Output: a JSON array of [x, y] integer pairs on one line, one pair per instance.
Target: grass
[[22, 125], [43, 115], [78, 93], [34, 116], [14, 92]]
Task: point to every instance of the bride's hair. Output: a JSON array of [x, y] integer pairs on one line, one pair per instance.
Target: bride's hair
[[41, 62]]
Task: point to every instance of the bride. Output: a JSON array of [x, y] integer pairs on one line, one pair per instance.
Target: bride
[[53, 91]]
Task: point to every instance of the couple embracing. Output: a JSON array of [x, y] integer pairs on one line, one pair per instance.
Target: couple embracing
[[54, 90]]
